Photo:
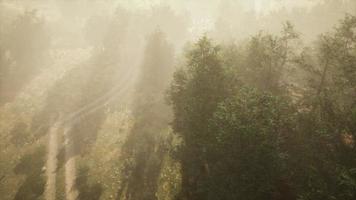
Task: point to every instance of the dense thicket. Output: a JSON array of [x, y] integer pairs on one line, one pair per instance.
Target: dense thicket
[[268, 119]]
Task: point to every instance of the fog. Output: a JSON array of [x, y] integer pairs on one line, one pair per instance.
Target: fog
[[106, 99]]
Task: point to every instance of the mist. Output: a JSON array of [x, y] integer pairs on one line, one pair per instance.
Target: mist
[[177, 100]]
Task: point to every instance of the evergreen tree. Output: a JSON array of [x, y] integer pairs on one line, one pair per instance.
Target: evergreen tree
[[195, 93]]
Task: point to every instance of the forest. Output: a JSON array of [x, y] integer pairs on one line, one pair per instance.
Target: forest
[[177, 100]]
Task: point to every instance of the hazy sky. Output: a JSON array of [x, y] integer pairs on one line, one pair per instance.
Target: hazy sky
[[200, 6], [202, 13]]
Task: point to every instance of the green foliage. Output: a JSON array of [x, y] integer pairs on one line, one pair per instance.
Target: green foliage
[[268, 58], [195, 93], [261, 138], [327, 122], [248, 154]]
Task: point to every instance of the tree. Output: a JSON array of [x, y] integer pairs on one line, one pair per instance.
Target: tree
[[249, 152], [328, 115], [268, 59], [194, 95]]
